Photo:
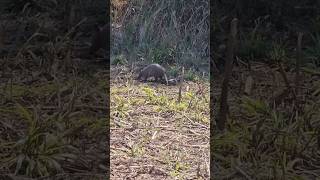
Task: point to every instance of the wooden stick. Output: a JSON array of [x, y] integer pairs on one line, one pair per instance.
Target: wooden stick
[[180, 88], [222, 117]]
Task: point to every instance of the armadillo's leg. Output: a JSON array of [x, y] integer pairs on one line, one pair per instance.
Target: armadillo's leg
[[165, 77], [162, 79]]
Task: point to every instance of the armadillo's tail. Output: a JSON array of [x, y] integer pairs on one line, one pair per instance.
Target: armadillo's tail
[[165, 77]]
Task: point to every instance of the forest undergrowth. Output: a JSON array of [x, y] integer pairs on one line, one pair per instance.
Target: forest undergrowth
[[273, 127]]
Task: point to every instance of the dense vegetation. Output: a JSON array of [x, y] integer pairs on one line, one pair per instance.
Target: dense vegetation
[[273, 127], [166, 32], [52, 105]]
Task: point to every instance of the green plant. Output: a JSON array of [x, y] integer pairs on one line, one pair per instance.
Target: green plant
[[178, 167], [162, 55], [254, 107], [253, 48], [38, 152], [190, 75], [151, 94], [136, 150], [121, 106], [278, 53], [119, 60], [174, 71]]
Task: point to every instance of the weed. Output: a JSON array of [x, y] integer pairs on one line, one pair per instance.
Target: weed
[[254, 107], [162, 55], [119, 60], [121, 106], [278, 53], [254, 48], [137, 150], [38, 152], [173, 71], [151, 94], [190, 75]]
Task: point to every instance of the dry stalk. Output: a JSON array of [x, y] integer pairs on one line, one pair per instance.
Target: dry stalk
[[180, 88], [222, 117]]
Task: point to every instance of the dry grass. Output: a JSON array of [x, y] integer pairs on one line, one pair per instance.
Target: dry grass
[[165, 31], [152, 136]]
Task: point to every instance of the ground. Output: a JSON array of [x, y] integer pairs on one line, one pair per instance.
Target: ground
[[153, 136]]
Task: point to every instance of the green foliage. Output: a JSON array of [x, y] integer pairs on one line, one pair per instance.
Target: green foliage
[[177, 168], [173, 71], [278, 53], [190, 75], [177, 107], [253, 48], [151, 94], [271, 131], [119, 60], [254, 107], [43, 133], [233, 141], [137, 150], [38, 152], [163, 55], [164, 104], [121, 106], [44, 89]]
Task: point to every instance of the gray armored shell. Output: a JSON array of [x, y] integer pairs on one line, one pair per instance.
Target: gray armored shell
[[153, 70]]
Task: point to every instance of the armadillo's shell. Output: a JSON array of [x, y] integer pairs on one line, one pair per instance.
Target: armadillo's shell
[[152, 70]]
